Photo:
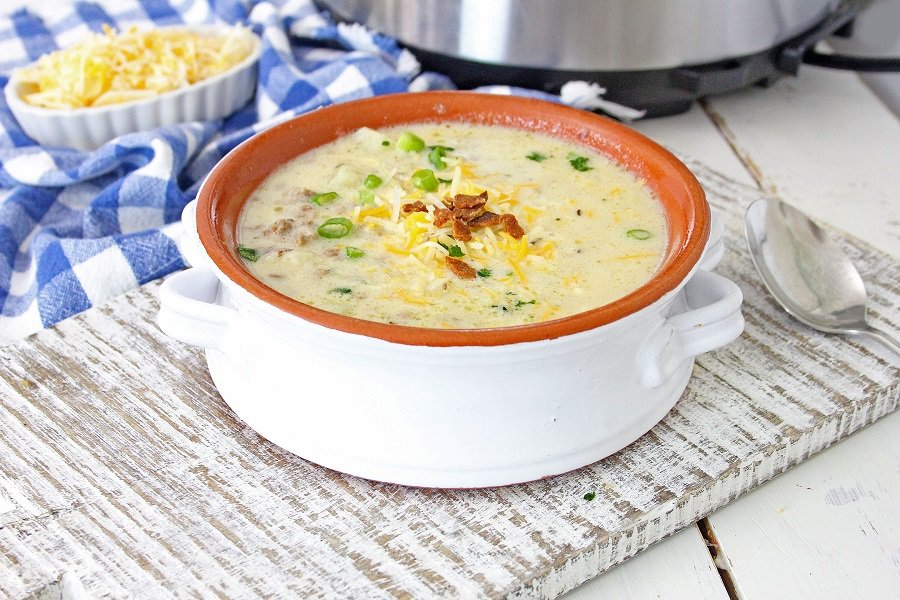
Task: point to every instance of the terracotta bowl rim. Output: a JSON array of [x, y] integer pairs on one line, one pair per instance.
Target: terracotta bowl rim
[[674, 270]]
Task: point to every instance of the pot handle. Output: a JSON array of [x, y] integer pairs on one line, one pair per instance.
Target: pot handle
[[188, 311], [712, 320]]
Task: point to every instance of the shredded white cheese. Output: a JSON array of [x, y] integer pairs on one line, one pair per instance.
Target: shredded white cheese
[[111, 67]]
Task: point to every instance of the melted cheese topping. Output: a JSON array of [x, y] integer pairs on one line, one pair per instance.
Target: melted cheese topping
[[110, 68], [592, 231]]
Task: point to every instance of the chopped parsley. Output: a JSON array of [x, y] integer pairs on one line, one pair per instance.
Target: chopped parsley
[[509, 307], [248, 253], [536, 157], [342, 291], [579, 163], [590, 496], [385, 143], [484, 272], [638, 234], [454, 250]]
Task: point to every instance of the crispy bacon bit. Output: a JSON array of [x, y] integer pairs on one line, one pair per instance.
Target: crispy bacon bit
[[460, 268], [280, 227], [441, 216], [332, 252], [467, 201], [461, 231], [486, 219], [467, 214], [512, 225], [417, 206]]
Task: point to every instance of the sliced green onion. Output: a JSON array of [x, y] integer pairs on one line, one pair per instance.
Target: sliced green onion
[[579, 163], [638, 234], [484, 272], [424, 179], [410, 142], [366, 197], [324, 198], [353, 252], [372, 181], [436, 156], [335, 227], [455, 251], [341, 291], [248, 253], [385, 143], [445, 180], [536, 157]]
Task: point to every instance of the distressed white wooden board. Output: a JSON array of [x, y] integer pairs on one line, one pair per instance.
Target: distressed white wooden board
[[126, 468], [764, 149], [824, 143], [678, 568], [694, 134], [830, 529], [661, 570]]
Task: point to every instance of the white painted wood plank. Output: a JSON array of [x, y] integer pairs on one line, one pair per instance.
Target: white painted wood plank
[[694, 134], [826, 144], [749, 119], [829, 529], [677, 568], [129, 471]]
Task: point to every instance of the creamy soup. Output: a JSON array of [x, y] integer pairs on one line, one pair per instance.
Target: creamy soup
[[452, 226]]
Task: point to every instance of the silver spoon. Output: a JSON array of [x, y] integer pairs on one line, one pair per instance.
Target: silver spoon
[[807, 273]]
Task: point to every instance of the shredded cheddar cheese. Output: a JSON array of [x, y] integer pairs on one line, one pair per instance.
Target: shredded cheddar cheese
[[111, 67]]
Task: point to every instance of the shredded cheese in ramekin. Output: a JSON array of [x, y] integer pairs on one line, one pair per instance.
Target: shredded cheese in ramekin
[[112, 68]]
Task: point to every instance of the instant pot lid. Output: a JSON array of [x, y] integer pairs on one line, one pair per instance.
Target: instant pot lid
[[588, 35], [657, 56]]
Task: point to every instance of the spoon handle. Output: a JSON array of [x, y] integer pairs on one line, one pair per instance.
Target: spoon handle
[[880, 336]]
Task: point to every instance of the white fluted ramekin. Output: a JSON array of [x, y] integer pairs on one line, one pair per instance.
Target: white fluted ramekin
[[91, 127]]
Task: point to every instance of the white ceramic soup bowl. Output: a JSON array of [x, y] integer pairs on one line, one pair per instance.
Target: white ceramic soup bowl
[[449, 408]]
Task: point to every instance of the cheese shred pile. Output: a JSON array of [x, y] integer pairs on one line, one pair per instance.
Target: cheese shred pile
[[415, 238], [111, 67]]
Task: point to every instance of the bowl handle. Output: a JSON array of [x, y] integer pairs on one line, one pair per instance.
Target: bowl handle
[[713, 319], [188, 311], [188, 241], [715, 247]]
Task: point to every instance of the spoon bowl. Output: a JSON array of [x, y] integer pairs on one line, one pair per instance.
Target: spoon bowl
[[807, 273]]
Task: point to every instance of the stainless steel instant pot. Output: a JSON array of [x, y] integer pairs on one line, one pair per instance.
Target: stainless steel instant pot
[[656, 55]]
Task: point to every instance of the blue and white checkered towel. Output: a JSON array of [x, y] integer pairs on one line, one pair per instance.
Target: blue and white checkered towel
[[77, 228]]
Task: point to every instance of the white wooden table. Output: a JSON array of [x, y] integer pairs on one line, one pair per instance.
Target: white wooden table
[[829, 528]]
